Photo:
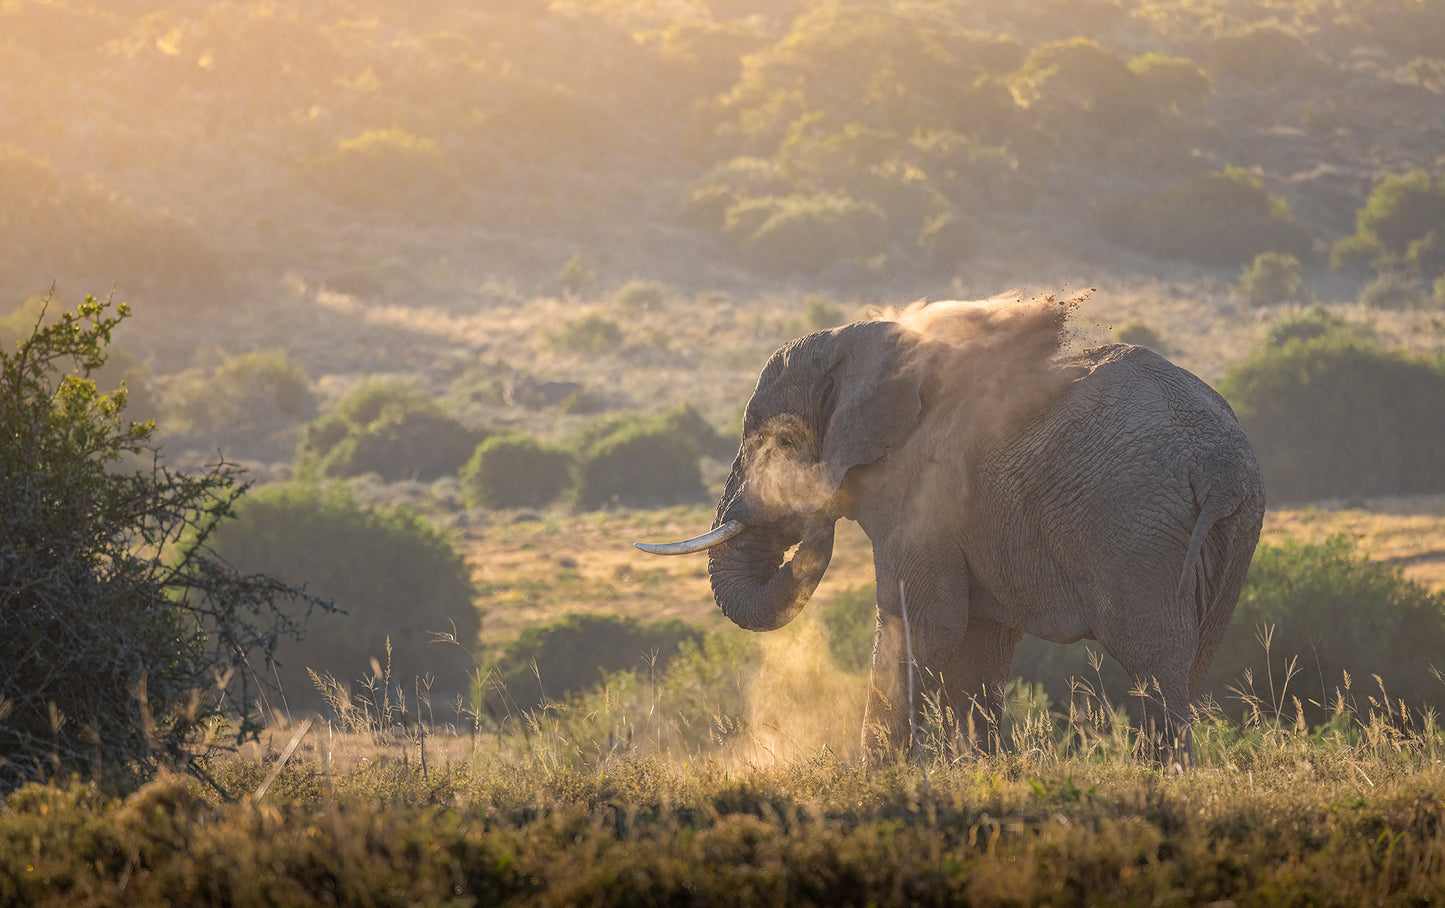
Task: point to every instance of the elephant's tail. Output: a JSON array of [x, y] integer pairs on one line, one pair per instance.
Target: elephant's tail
[[1216, 506]]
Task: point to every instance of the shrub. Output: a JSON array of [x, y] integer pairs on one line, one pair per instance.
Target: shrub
[[1334, 611], [806, 234], [592, 333], [1401, 209], [1317, 321], [850, 622], [640, 296], [820, 312], [1224, 218], [388, 428], [555, 661], [1142, 335], [514, 471], [392, 170], [576, 277], [1393, 290], [1273, 277], [396, 578], [1265, 55], [119, 620], [1334, 416], [948, 239], [246, 399], [645, 464]]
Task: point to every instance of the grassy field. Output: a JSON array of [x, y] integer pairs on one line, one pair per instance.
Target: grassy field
[[1270, 816]]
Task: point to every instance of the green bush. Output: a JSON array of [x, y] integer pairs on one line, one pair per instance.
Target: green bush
[[388, 428], [850, 621], [1224, 218], [120, 623], [1334, 611], [640, 296], [555, 661], [1315, 322], [393, 171], [394, 577], [647, 463], [820, 312], [1142, 335], [592, 333], [514, 471], [61, 229], [1334, 416], [806, 234], [246, 399], [1402, 209], [1265, 54], [1393, 290], [1273, 277]]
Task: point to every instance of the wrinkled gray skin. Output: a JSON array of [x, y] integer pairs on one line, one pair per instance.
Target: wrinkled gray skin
[[1124, 508]]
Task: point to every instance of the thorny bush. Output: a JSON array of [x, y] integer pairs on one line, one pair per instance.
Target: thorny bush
[[128, 646]]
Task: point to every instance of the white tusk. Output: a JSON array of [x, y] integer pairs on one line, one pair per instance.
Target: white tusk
[[697, 543]]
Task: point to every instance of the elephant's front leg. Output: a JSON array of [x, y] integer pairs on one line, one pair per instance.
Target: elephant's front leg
[[887, 723], [917, 663]]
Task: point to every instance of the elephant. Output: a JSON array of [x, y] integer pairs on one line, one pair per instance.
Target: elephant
[[1008, 487]]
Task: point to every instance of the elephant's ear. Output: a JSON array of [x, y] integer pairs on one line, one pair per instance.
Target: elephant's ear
[[875, 396]]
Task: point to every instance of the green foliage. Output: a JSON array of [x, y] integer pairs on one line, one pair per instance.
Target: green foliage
[[640, 295], [1334, 416], [806, 233], [514, 471], [119, 619], [388, 428], [395, 577], [245, 399], [392, 171], [1223, 218], [1393, 290], [1265, 54], [1078, 87], [593, 334], [555, 661], [56, 228], [1402, 209], [1142, 335], [1332, 619], [576, 277], [821, 312], [1317, 321], [645, 463], [850, 621], [1273, 277]]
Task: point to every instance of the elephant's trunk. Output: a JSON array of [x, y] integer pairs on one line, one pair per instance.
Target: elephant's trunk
[[755, 588]]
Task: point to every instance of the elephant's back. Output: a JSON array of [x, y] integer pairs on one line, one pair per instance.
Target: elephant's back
[[1103, 489]]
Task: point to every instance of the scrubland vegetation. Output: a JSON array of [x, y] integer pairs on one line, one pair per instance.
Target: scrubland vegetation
[[440, 306]]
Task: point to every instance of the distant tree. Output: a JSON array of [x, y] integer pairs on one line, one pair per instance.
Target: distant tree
[[392, 429], [1400, 226]]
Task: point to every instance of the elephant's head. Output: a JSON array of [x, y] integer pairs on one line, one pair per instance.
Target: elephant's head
[[824, 404]]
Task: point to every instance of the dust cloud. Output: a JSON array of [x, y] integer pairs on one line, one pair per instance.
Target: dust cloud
[[800, 704], [992, 365]]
